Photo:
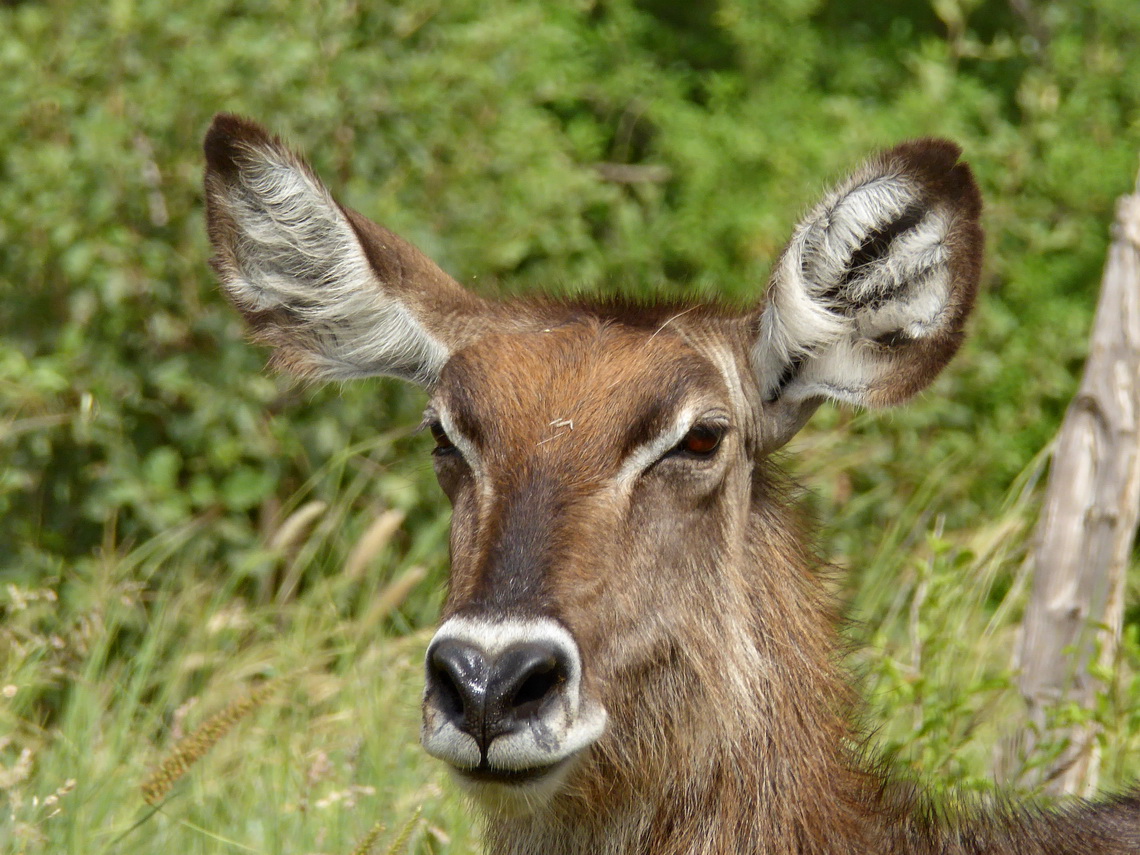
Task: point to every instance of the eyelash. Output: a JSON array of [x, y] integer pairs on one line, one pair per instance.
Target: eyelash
[[443, 444]]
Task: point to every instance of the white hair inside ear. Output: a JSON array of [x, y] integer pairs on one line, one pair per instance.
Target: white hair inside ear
[[866, 303], [336, 295]]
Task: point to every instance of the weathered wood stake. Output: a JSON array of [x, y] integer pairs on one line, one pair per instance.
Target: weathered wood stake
[[1087, 528]]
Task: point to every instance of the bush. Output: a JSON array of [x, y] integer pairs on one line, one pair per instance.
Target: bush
[[638, 145]]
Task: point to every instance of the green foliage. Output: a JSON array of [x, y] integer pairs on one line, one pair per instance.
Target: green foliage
[[149, 469], [476, 129]]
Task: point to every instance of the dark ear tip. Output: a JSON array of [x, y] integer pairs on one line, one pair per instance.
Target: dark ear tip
[[230, 136], [937, 164], [928, 150]]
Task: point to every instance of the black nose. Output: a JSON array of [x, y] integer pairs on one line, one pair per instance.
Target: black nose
[[487, 697]]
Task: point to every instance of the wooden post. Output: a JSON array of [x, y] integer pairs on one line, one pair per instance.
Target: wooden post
[[1083, 541]]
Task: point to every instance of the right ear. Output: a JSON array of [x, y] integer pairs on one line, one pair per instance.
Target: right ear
[[869, 299], [337, 295]]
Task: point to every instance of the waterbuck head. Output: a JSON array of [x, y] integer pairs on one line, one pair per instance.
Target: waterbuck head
[[629, 589]]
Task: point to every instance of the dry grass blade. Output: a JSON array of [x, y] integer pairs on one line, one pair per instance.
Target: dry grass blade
[[293, 528], [392, 596], [372, 541], [191, 749]]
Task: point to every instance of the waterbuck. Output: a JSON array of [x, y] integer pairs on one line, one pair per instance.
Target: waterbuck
[[635, 653]]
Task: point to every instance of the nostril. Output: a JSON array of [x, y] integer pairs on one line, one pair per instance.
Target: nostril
[[457, 681], [522, 679], [537, 686], [448, 697]]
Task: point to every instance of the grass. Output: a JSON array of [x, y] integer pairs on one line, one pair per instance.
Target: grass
[[178, 529], [131, 677], [134, 678], [161, 678]]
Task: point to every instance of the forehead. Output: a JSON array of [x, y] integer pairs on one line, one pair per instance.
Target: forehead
[[599, 376]]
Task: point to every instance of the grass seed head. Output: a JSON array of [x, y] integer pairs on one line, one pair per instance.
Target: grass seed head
[[192, 748], [401, 842]]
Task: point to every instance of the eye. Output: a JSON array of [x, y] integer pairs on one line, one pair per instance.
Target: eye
[[701, 441], [443, 444]]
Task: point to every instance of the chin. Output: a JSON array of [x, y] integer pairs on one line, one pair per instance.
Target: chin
[[514, 793]]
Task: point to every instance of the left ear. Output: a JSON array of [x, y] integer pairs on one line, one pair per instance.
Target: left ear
[[868, 301], [337, 295]]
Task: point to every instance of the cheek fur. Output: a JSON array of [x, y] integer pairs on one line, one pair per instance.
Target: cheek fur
[[649, 562]]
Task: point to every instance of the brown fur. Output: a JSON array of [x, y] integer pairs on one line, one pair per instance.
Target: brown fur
[[692, 762], [687, 583]]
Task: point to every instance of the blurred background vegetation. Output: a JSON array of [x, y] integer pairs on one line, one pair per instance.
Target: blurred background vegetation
[[176, 525]]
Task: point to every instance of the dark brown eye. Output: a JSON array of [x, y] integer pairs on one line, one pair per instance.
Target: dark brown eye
[[701, 441], [442, 443]]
